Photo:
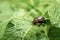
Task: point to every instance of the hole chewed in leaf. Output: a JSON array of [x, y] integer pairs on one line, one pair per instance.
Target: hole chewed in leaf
[[9, 25]]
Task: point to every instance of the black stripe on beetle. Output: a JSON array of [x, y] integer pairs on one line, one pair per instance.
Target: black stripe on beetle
[[38, 19]]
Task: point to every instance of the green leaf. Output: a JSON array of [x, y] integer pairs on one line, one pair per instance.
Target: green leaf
[[24, 29], [16, 19]]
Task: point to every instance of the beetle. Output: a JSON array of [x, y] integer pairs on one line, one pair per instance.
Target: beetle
[[39, 19]]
